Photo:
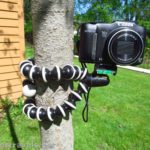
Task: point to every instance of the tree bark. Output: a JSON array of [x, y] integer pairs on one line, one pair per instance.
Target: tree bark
[[53, 42]]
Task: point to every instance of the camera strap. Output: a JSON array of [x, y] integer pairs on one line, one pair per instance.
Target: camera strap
[[85, 112], [86, 107]]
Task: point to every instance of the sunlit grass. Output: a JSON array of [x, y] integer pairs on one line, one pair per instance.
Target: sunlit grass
[[119, 114]]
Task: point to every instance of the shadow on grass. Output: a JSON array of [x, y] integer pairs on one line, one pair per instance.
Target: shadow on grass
[[15, 139]]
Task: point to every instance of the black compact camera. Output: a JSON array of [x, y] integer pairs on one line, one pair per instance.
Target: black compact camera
[[108, 45]]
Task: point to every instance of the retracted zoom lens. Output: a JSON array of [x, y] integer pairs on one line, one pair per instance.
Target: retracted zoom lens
[[125, 47]]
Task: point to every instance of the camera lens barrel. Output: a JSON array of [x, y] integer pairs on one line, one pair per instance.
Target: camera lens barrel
[[125, 47]]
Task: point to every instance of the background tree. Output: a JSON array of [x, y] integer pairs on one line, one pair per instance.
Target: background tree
[[53, 34]]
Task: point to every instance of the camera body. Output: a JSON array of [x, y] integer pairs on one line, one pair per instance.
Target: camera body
[[118, 43]]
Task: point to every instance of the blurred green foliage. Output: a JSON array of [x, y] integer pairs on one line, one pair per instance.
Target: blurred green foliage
[[28, 22], [27, 15]]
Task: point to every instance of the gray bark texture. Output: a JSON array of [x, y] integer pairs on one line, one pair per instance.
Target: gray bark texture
[[53, 41]]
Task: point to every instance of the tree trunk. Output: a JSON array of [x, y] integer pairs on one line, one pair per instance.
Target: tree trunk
[[53, 41]]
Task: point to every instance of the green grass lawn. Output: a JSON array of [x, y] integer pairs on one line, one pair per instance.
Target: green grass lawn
[[119, 115], [119, 118]]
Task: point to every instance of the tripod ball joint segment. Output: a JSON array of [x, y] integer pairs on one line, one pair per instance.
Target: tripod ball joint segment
[[29, 88], [68, 72]]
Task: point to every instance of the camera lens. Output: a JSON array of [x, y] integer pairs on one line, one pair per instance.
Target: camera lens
[[125, 47]]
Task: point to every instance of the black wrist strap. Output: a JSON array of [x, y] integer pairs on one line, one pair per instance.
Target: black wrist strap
[[86, 107]]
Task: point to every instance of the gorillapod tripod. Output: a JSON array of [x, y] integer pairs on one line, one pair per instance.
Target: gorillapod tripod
[[68, 72]]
